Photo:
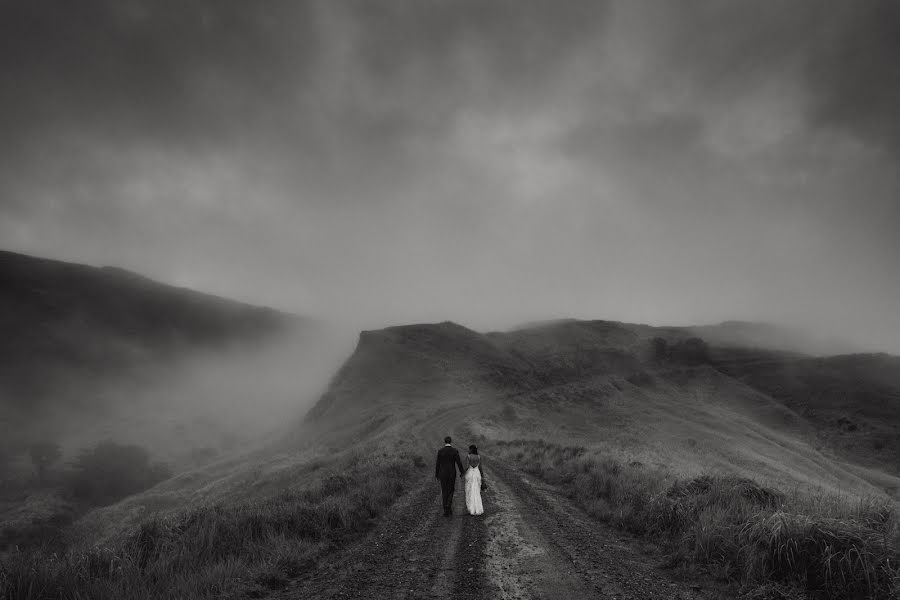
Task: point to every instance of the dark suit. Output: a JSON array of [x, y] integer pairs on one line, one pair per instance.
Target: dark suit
[[445, 469]]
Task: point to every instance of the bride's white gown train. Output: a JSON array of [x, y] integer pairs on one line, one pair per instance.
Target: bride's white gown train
[[473, 491]]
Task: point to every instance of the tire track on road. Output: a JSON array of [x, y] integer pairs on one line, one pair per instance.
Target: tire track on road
[[521, 562], [398, 559], [449, 535], [531, 543], [471, 575], [414, 553], [569, 548]]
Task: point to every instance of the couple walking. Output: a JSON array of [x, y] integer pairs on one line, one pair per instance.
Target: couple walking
[[445, 470]]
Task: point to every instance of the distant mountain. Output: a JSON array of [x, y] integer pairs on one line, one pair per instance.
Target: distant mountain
[[62, 321], [659, 394]]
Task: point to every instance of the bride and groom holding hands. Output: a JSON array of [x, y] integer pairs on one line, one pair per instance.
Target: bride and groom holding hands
[[448, 461]]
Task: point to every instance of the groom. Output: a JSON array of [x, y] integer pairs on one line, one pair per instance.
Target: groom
[[445, 469]]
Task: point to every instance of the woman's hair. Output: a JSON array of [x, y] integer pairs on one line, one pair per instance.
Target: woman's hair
[[473, 449]]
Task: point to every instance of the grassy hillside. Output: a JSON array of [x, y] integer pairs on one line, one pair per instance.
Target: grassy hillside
[[853, 401], [665, 435], [768, 543], [661, 432], [245, 545], [656, 395]]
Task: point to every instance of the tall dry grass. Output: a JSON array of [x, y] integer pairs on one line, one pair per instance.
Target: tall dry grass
[[752, 535], [210, 550]]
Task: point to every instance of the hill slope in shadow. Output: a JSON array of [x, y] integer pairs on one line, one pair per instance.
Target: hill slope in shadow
[[80, 342], [59, 313]]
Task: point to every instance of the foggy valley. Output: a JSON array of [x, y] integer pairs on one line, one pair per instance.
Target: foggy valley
[[451, 299]]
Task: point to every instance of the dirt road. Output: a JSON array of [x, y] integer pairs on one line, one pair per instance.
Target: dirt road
[[531, 543]]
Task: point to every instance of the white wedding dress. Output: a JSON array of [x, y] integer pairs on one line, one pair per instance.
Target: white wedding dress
[[473, 487]]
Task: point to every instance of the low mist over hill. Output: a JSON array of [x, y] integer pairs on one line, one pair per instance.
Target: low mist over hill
[[58, 313], [91, 352]]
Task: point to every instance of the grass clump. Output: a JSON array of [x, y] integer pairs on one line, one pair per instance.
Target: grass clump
[[206, 551], [753, 535]]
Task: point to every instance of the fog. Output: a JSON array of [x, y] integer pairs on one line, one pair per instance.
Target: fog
[[489, 163], [216, 404], [190, 408]]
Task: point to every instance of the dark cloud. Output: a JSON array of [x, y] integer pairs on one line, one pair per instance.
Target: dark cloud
[[853, 71], [842, 56], [483, 161], [149, 68]]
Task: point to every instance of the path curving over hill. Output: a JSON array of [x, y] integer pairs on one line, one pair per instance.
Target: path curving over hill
[[654, 395], [531, 543]]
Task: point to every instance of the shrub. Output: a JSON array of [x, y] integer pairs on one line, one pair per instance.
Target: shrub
[[660, 348], [842, 558], [692, 351], [109, 471]]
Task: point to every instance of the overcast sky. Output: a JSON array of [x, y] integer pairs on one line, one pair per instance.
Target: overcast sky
[[488, 162]]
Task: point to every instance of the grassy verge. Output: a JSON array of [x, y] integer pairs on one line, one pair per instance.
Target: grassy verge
[[208, 551], [752, 535]]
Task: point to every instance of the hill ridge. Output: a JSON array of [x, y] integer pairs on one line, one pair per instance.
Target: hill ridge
[[70, 328], [568, 370]]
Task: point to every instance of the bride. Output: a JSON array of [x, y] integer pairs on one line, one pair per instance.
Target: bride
[[473, 482]]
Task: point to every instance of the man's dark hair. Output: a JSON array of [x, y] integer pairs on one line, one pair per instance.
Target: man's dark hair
[[473, 449], [447, 440]]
